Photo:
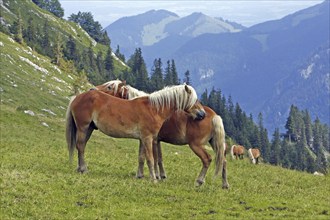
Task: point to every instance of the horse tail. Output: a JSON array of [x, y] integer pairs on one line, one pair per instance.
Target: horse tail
[[71, 130], [232, 151], [218, 143]]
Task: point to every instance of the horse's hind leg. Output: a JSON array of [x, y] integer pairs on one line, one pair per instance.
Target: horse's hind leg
[[82, 138], [156, 158], [206, 160], [225, 184]]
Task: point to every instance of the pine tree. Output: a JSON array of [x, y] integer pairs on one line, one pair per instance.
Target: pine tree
[[168, 78], [119, 54], [99, 63], [52, 6], [264, 142], [174, 73], [308, 128], [31, 33], [285, 154], [17, 28], [58, 50], [108, 65], [71, 51], [204, 98], [45, 42], [139, 70], [275, 148], [93, 28], [156, 79], [187, 77]]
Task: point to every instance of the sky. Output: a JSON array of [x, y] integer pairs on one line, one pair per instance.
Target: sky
[[245, 12]]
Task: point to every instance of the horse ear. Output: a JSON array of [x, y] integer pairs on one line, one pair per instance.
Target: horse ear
[[187, 89]]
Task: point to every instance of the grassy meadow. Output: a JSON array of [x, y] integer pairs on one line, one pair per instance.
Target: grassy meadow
[[38, 182]]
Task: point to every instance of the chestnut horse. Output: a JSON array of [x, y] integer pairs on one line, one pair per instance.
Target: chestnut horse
[[254, 155], [181, 129], [140, 118], [237, 151]]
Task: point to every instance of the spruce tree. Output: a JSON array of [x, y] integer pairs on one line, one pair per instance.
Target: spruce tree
[[71, 51], [174, 73], [108, 65], [58, 49], [168, 78], [156, 79], [275, 148], [17, 29], [187, 77]]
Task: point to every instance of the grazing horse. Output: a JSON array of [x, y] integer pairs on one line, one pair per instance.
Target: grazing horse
[[182, 129], [237, 151], [254, 155], [140, 118]]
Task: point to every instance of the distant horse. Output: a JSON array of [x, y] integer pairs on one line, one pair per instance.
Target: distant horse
[[254, 155], [182, 129], [237, 151], [140, 118]]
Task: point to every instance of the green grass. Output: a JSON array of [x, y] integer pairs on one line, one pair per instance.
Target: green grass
[[38, 182]]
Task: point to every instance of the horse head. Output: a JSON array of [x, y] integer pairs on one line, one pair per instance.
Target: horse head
[[112, 87]]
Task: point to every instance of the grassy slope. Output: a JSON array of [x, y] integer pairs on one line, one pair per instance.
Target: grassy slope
[[59, 26], [37, 181]]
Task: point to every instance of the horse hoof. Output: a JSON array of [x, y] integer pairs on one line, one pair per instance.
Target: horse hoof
[[226, 186], [82, 170], [139, 176], [163, 177], [198, 183]]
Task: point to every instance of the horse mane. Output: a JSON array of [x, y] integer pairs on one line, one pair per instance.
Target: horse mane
[[133, 92], [173, 96], [114, 83]]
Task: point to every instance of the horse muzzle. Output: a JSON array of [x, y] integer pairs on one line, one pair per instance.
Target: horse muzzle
[[200, 115]]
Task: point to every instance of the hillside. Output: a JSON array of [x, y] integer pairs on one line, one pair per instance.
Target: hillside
[[43, 31], [38, 182]]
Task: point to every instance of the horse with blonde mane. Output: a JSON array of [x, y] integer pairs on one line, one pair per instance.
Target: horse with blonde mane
[[254, 155], [140, 118], [237, 151], [181, 129]]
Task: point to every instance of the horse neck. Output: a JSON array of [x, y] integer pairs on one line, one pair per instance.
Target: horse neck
[[133, 93]]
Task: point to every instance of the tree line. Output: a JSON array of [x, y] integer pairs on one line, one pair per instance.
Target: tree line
[[303, 146]]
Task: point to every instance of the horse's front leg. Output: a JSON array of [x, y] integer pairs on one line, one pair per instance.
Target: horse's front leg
[[156, 158], [147, 143], [160, 161], [142, 157]]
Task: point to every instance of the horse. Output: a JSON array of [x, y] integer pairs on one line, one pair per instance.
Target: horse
[[140, 118], [254, 155], [237, 151], [182, 129]]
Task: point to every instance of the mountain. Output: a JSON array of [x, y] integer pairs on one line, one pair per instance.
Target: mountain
[[267, 67], [155, 29]]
